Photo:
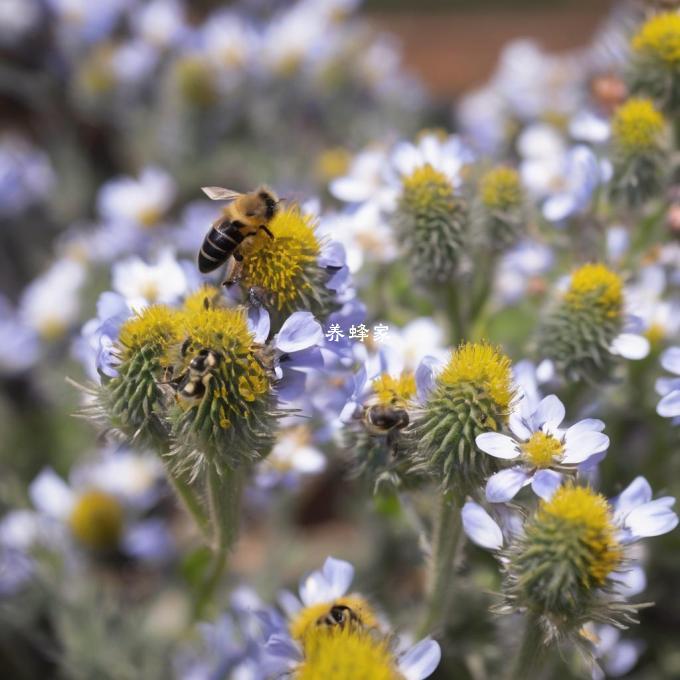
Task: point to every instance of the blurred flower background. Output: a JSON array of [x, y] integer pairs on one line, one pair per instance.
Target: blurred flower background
[[440, 392]]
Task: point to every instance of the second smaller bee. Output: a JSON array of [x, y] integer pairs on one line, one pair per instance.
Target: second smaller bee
[[340, 615], [385, 420], [193, 382]]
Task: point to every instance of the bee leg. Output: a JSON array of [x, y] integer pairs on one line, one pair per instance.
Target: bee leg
[[233, 274], [262, 227]]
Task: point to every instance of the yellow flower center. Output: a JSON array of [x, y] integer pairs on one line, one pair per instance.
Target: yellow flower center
[[206, 296], [97, 520], [347, 654], [655, 334], [637, 126], [196, 80], [542, 449], [596, 284], [306, 621], [590, 515], [484, 366], [500, 189], [155, 325], [278, 265], [659, 37], [149, 217], [399, 391], [428, 183], [333, 162]]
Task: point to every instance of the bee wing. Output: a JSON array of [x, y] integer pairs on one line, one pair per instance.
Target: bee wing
[[220, 193]]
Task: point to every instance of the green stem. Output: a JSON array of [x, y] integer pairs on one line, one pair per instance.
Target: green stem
[[224, 493], [445, 545], [531, 655], [455, 313], [187, 494]]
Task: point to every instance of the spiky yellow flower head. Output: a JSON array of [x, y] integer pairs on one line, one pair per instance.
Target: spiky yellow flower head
[[347, 655], [586, 319], [96, 520], [305, 624], [286, 267], [595, 284], [472, 395], [567, 552], [156, 326], [659, 38], [542, 449], [430, 220], [589, 516], [398, 391], [500, 189], [483, 366], [637, 126], [231, 418]]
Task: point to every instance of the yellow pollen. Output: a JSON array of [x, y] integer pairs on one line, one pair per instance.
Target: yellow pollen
[[590, 515], [500, 189], [306, 620], [596, 284], [542, 449], [483, 366], [278, 265], [205, 296], [347, 655], [655, 334], [428, 176], [333, 162], [637, 126], [97, 520], [149, 217], [155, 325], [398, 391], [659, 38]]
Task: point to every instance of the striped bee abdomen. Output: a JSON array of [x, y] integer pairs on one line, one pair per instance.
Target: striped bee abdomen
[[220, 242]]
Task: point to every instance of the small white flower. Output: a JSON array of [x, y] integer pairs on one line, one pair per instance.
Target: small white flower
[[543, 450], [51, 303], [142, 201], [142, 284]]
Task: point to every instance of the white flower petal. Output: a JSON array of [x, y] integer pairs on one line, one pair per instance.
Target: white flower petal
[[584, 445], [545, 483], [314, 588], [635, 494], [338, 575], [631, 582], [670, 360], [299, 331], [550, 412], [480, 527], [421, 660], [652, 519], [50, 494], [498, 445], [586, 425], [518, 427], [631, 346], [669, 406], [504, 485]]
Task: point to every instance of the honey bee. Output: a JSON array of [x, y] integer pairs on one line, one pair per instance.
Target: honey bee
[[385, 419], [340, 615], [193, 382], [244, 217]]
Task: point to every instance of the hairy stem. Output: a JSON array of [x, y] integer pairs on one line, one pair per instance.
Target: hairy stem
[[190, 500], [445, 545], [531, 655]]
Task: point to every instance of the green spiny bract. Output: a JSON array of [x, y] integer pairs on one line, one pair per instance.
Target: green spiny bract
[[578, 340], [444, 432], [501, 208], [431, 221]]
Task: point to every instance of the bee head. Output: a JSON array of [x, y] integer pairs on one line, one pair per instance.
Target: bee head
[[259, 206]]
